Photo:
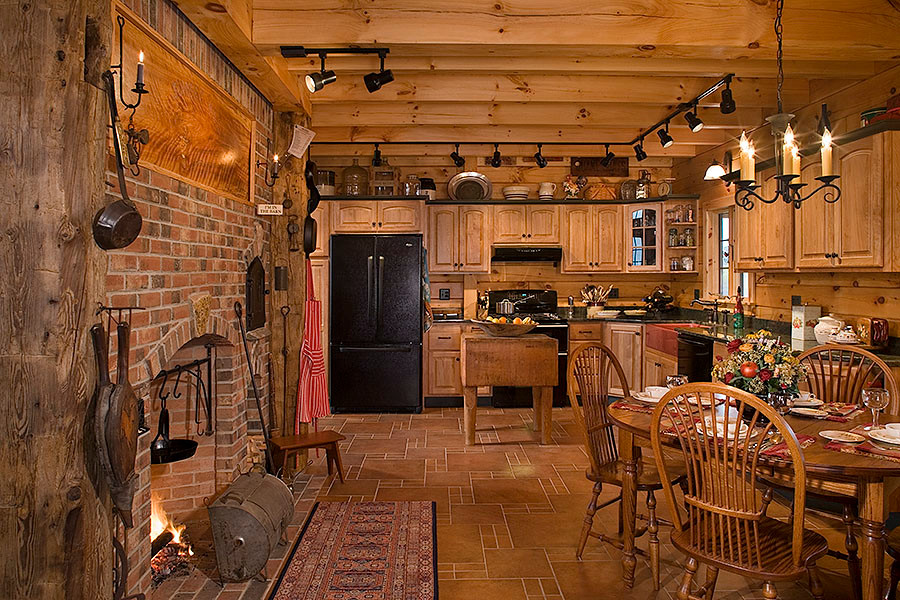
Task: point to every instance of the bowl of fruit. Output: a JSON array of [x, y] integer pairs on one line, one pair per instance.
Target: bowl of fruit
[[506, 327]]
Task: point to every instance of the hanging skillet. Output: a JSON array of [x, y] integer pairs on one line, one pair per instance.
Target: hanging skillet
[[119, 224], [309, 223]]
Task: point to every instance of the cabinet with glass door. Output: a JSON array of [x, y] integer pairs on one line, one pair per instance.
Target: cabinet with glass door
[[643, 227], [681, 237]]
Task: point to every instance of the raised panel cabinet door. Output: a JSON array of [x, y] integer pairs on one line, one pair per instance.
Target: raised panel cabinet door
[[626, 342], [543, 224], [608, 243], [351, 216], [474, 239], [859, 213], [322, 215], [813, 224], [509, 225], [443, 239], [443, 377], [747, 250], [776, 229], [399, 216], [578, 240]]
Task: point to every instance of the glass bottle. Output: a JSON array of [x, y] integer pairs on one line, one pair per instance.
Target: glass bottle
[[689, 236], [689, 213], [643, 186], [679, 213], [410, 186], [383, 180], [687, 262], [673, 237], [356, 180]]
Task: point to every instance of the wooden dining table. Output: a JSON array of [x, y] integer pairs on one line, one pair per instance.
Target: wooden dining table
[[867, 472]]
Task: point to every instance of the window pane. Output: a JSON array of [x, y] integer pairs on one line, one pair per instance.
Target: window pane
[[724, 226], [723, 282]]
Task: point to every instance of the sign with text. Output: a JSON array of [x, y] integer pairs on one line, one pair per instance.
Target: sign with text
[[269, 209]]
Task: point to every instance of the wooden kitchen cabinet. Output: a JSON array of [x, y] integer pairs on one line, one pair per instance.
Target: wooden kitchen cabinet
[[381, 216], [592, 239], [531, 224], [441, 364], [626, 340], [657, 366], [764, 235], [509, 224], [458, 239], [643, 230], [322, 215]]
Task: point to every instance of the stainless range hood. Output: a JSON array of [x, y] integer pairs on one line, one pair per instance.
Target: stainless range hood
[[527, 254]]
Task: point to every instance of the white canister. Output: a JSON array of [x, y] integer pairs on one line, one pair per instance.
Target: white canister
[[547, 188], [803, 322], [827, 326]]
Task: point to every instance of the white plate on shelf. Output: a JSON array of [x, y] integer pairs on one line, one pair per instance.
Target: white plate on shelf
[[810, 412], [888, 436], [844, 437]]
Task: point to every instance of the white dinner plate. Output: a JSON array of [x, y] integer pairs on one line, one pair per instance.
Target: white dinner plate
[[845, 437], [707, 428], [809, 412], [645, 397], [810, 403], [885, 435]]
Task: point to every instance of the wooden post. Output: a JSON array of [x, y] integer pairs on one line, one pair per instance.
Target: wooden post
[[55, 517]]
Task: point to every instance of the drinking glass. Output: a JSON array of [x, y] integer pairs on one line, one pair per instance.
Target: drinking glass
[[782, 402], [875, 399], [675, 380]]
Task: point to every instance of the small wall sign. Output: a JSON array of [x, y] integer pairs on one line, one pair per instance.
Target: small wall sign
[[269, 209]]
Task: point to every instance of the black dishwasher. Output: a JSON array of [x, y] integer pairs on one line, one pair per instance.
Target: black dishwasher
[[695, 357]]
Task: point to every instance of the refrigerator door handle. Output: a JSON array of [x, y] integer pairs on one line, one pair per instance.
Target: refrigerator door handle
[[370, 282], [379, 304]]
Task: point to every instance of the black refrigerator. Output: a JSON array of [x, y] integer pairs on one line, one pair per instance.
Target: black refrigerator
[[375, 323]]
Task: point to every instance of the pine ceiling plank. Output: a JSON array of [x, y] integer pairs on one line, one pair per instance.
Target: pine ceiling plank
[[654, 151]]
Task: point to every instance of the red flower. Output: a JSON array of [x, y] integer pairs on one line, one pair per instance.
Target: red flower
[[719, 358], [733, 345], [728, 377], [765, 374]]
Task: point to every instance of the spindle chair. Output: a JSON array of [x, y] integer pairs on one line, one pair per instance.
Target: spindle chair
[[723, 523], [590, 370], [839, 373]]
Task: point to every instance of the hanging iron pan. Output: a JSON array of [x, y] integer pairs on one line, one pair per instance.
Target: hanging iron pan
[[163, 449], [119, 224], [309, 173], [309, 235]]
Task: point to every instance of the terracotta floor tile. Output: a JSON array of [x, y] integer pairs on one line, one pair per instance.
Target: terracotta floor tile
[[378, 446], [502, 564], [438, 495], [454, 478], [459, 544], [529, 471], [392, 469], [482, 589], [491, 461], [508, 491], [557, 455], [481, 514], [374, 427], [354, 487], [544, 530]]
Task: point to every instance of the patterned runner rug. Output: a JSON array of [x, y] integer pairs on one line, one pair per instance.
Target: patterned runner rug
[[363, 551]]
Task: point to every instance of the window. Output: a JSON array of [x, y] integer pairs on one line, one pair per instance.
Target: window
[[726, 281]]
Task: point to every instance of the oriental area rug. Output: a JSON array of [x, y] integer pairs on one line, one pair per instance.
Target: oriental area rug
[[363, 551]]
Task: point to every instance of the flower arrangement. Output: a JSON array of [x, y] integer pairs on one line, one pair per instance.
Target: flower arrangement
[[759, 363]]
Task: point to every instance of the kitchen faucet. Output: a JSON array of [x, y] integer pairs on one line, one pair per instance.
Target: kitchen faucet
[[707, 304]]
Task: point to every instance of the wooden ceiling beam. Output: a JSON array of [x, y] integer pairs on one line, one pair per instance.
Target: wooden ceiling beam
[[483, 87], [332, 114], [655, 151], [811, 26], [229, 25]]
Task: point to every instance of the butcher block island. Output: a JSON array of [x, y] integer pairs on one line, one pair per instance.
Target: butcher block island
[[524, 361]]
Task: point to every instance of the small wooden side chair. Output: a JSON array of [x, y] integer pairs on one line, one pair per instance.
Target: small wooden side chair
[[723, 523], [283, 448], [590, 371]]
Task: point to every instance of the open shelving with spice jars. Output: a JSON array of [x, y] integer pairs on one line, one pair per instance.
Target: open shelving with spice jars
[[680, 241]]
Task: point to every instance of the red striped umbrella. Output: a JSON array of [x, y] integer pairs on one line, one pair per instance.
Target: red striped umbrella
[[312, 393]]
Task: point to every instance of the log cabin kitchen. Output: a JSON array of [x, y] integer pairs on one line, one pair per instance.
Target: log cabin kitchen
[[391, 300]]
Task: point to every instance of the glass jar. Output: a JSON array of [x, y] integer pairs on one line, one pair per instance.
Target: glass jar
[[643, 186], [681, 240], [410, 187], [670, 216], [687, 263], [679, 213], [673, 237], [675, 265], [689, 236], [689, 213], [356, 180]]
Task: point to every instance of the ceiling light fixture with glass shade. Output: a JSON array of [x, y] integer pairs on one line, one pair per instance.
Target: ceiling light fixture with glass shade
[[787, 152]]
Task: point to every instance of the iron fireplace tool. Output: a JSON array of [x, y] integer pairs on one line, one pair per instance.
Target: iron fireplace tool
[[270, 464], [285, 311]]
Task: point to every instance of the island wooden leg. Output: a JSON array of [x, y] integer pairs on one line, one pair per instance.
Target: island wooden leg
[[872, 548], [538, 408], [629, 505], [543, 406], [470, 406]]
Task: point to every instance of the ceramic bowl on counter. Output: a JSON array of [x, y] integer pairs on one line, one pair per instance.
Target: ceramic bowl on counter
[[505, 329]]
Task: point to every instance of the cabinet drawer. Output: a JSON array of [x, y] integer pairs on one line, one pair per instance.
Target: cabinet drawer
[[586, 331], [444, 337]]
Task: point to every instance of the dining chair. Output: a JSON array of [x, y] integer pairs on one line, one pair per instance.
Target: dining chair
[[591, 371], [839, 373], [723, 522]]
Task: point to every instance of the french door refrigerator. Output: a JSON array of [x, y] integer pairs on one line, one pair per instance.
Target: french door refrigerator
[[375, 326]]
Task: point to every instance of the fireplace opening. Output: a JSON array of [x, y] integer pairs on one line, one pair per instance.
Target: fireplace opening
[[170, 552]]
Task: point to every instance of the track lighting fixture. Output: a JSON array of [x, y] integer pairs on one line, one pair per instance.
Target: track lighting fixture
[[664, 138], [539, 158], [374, 81], [693, 121], [495, 159], [376, 157], [727, 106], [639, 153], [458, 160], [316, 81], [604, 162]]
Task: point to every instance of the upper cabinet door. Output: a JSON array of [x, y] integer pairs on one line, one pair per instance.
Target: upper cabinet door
[[443, 239], [509, 225], [607, 242], [543, 224], [859, 213], [642, 226], [776, 229], [813, 224], [747, 240], [578, 239], [322, 215], [474, 239], [353, 216], [400, 216]]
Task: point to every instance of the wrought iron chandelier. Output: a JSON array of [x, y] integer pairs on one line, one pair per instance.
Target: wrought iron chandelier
[[787, 153]]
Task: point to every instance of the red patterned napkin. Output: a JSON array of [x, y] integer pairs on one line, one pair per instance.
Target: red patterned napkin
[[780, 450], [622, 405], [841, 412], [865, 449]]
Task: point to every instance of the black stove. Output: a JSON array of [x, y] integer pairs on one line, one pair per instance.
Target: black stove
[[540, 305]]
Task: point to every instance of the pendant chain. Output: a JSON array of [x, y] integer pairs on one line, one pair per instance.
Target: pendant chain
[[779, 57]]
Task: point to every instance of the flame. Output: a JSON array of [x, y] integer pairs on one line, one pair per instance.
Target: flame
[[788, 136], [141, 56], [795, 150], [160, 522], [746, 146], [275, 158], [826, 139]]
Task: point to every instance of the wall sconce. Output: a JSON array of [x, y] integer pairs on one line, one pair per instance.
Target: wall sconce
[[274, 173], [134, 139]]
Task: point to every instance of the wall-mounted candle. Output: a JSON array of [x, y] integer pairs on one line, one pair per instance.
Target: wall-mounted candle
[[787, 159], [275, 166], [795, 160], [827, 169], [748, 162], [140, 69]]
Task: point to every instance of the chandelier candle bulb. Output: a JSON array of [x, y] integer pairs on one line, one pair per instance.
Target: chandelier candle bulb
[[275, 165], [827, 169], [748, 163], [140, 69], [787, 155], [795, 160]]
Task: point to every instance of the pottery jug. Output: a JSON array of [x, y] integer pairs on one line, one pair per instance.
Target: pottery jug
[[825, 327]]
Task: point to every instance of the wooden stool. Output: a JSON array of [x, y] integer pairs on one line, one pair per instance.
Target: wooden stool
[[287, 446]]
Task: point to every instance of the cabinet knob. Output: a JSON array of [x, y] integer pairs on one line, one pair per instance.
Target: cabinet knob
[[523, 235], [529, 235], [637, 333], [457, 359], [373, 223], [379, 223]]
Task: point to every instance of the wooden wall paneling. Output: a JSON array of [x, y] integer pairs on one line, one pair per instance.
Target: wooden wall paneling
[[55, 516], [198, 133]]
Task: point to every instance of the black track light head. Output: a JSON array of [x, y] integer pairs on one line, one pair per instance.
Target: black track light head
[[693, 120], [316, 81], [374, 81], [458, 160], [664, 138], [539, 158], [727, 106], [607, 158], [495, 159], [639, 153], [376, 157]]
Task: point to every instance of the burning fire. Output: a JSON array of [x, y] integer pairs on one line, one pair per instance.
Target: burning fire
[[173, 558], [160, 522]]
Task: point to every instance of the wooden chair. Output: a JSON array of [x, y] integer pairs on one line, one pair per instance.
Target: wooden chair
[[725, 525], [589, 372], [839, 374]]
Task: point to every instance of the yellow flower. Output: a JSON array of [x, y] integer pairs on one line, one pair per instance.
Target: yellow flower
[[750, 336], [745, 347], [769, 359], [764, 333]]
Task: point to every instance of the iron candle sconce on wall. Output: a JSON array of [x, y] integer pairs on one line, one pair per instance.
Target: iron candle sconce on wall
[[135, 139]]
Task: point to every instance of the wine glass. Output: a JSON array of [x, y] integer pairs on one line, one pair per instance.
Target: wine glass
[[675, 380], [782, 401], [876, 400]]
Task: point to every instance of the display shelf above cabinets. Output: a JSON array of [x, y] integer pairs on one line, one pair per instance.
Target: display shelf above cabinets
[[566, 201], [371, 198]]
